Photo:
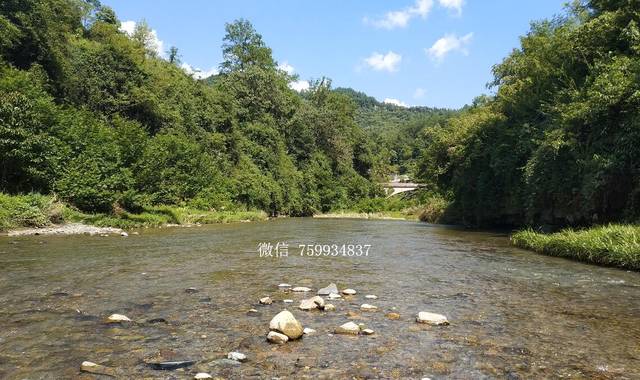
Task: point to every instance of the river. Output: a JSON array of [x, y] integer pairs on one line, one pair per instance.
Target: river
[[514, 314]]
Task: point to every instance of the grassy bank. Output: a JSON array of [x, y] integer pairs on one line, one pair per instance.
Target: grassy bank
[[35, 210], [614, 245]]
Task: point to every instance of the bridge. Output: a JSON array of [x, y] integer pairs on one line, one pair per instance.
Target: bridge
[[393, 188]]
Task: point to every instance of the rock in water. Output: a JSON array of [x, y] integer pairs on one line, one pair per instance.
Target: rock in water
[[277, 338], [348, 328], [349, 292], [287, 324], [367, 307], [318, 301], [334, 296], [283, 285], [237, 356], [301, 289], [307, 305], [117, 318], [371, 297], [332, 288], [124, 234], [368, 332], [97, 369], [191, 290], [266, 300], [393, 316], [308, 331], [432, 318], [287, 301], [168, 366], [202, 375], [329, 307]]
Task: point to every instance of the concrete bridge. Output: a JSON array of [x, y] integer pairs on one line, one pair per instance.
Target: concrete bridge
[[393, 188]]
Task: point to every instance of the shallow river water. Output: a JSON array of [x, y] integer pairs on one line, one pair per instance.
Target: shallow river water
[[514, 314]]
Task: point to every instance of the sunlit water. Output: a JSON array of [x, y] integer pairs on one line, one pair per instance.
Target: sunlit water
[[513, 314]]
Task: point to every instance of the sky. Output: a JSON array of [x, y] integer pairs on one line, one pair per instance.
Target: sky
[[436, 53]]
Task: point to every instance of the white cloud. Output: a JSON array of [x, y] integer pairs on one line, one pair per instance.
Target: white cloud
[[455, 5], [155, 43], [198, 73], [419, 93], [395, 102], [447, 44], [401, 18], [286, 67], [299, 85], [384, 62]]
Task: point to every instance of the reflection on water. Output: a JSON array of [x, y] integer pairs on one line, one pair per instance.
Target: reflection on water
[[513, 314]]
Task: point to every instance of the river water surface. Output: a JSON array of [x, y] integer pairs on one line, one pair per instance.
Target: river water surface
[[514, 314]]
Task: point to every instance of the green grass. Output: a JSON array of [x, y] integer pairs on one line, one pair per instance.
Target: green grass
[[35, 210], [612, 245]]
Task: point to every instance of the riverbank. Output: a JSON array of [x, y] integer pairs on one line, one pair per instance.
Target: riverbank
[[612, 245], [382, 215], [38, 213]]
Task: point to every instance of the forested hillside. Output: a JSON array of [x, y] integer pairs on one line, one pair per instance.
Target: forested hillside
[[97, 117], [559, 142]]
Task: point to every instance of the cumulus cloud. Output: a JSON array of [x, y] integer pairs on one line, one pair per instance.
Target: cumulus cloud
[[155, 44], [447, 44], [454, 5], [395, 102], [401, 18], [383, 62], [419, 93], [299, 85], [198, 73], [286, 67]]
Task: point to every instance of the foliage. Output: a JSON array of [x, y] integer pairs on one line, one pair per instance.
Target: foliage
[[615, 244]]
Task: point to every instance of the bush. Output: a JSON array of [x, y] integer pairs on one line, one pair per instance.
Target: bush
[[32, 210]]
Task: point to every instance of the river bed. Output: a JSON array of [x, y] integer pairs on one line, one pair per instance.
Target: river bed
[[514, 314]]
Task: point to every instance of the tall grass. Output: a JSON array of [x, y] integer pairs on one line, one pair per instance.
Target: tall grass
[[613, 245]]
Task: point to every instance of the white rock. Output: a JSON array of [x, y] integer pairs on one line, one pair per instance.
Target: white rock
[[237, 356], [349, 292], [287, 301], [334, 296], [308, 331], [367, 307], [287, 324], [307, 305], [202, 375], [329, 307], [318, 301], [97, 369], [266, 300], [431, 318], [253, 310], [124, 234], [116, 318], [371, 297], [368, 332], [348, 328], [283, 285], [332, 288], [301, 289], [275, 337]]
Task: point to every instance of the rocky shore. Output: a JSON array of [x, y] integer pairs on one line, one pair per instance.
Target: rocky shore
[[67, 229]]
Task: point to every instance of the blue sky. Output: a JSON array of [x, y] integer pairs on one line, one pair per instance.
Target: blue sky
[[418, 52]]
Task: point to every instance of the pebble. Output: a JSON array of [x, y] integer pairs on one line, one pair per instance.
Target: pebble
[[266, 300], [367, 307], [371, 297], [191, 290], [393, 316], [349, 292], [124, 234], [283, 285], [171, 365], [432, 318], [301, 289], [287, 301], [368, 332], [334, 296], [237, 356], [329, 307], [202, 375], [275, 337], [332, 288], [287, 324], [348, 328], [117, 318], [253, 311], [307, 305], [308, 331], [97, 369]]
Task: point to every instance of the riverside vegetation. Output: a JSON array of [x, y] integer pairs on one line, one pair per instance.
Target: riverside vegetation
[[117, 135]]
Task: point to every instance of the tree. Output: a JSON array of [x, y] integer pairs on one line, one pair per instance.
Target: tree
[[244, 47]]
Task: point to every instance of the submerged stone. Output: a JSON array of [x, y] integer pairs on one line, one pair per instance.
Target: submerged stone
[[266, 300], [332, 288], [432, 318], [368, 307], [237, 356], [301, 289], [171, 365], [118, 318], [348, 328], [97, 369]]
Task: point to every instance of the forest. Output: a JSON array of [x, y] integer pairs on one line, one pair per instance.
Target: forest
[[96, 117]]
